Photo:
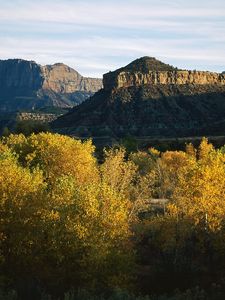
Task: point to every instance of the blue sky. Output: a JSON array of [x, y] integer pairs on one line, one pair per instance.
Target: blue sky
[[95, 36]]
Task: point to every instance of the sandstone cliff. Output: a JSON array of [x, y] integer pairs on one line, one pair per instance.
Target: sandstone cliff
[[150, 99], [126, 79], [63, 79], [148, 74]]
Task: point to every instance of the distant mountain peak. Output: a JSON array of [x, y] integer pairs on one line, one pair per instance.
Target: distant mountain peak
[[61, 68], [26, 85], [59, 64]]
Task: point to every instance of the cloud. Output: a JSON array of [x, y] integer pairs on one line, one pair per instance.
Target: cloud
[[92, 56], [137, 13], [95, 36]]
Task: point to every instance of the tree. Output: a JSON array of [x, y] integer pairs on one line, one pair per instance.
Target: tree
[[56, 155], [200, 190], [185, 247], [131, 178], [169, 166], [20, 204], [59, 219]]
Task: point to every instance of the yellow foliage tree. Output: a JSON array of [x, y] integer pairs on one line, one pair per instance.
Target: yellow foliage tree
[[59, 219], [21, 203], [117, 172], [56, 155], [131, 177], [169, 165], [200, 191]]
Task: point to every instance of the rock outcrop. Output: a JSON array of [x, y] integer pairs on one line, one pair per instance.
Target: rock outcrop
[[25, 85], [150, 99], [20, 74], [63, 79], [39, 117], [133, 76], [127, 79]]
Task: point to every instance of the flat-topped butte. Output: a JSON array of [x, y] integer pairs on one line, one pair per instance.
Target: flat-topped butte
[[148, 70]]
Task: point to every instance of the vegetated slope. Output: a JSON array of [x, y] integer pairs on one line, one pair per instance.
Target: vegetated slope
[[150, 99]]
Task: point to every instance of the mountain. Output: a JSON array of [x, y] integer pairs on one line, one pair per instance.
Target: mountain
[[148, 98], [26, 85]]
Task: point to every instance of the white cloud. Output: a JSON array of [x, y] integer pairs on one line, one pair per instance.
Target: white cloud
[[88, 13], [95, 36], [93, 61]]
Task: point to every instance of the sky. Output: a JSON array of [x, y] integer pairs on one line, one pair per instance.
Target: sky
[[97, 36]]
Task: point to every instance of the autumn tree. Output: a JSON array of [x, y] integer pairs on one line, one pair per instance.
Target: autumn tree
[[131, 177], [21, 202], [56, 155], [59, 219], [200, 190], [186, 245]]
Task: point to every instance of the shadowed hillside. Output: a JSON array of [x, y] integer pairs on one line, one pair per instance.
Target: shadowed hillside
[[25, 85]]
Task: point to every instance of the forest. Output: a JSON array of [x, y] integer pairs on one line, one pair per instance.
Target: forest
[[120, 226]]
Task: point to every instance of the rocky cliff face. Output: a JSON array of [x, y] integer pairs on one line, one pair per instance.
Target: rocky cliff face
[[25, 85], [20, 74], [62, 79], [152, 72], [150, 99], [127, 79]]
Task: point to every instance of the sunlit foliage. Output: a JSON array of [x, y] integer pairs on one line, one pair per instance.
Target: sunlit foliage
[[69, 222], [185, 246], [61, 224]]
